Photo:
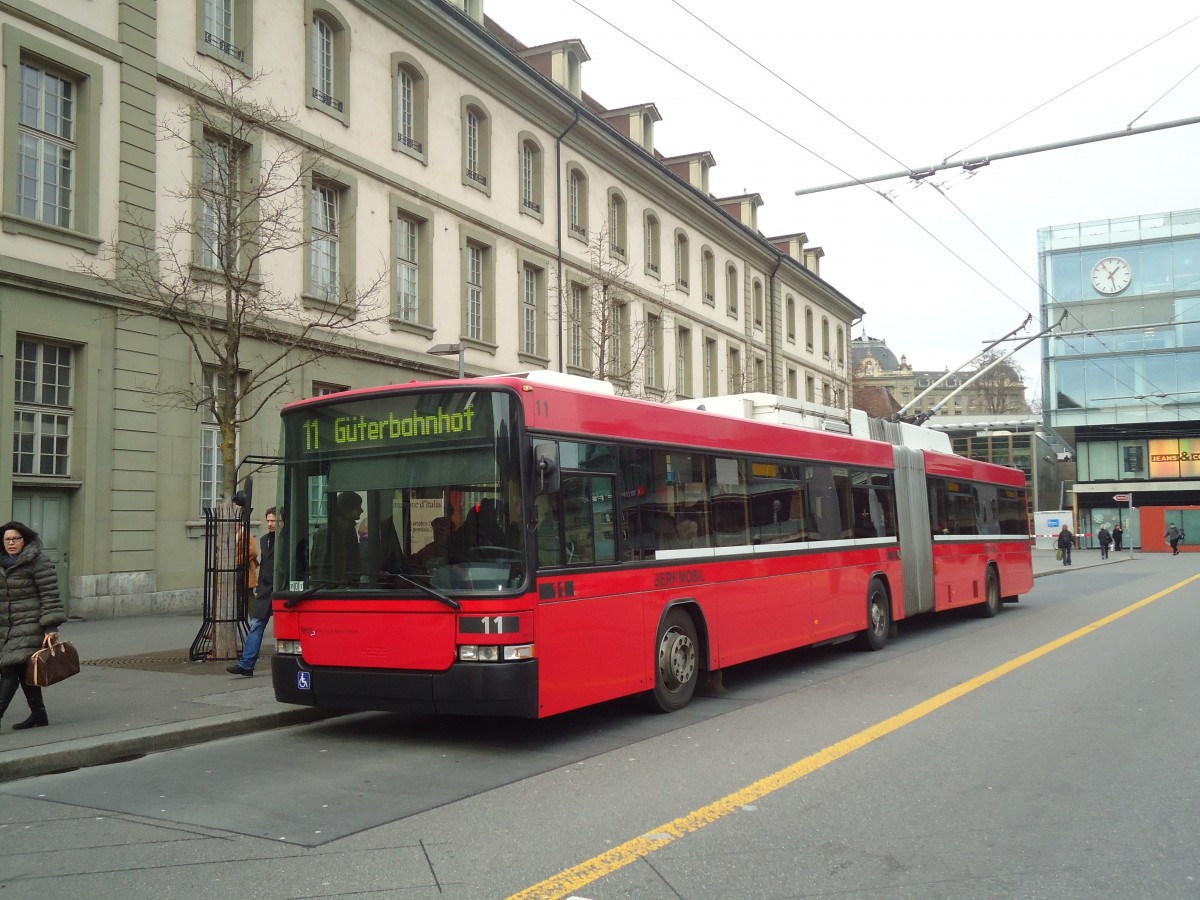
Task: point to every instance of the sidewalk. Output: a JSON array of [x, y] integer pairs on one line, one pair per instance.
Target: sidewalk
[[138, 694]]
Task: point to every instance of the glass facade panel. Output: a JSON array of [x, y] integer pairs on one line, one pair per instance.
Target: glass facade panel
[[1103, 459], [1186, 266]]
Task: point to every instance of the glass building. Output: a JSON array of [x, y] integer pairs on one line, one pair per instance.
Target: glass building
[[1121, 374]]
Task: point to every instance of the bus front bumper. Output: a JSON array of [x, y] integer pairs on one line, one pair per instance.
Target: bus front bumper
[[465, 689]]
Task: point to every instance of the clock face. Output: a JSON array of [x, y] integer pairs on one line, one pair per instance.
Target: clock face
[[1111, 275]]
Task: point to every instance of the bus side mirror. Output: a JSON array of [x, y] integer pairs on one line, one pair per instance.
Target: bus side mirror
[[545, 461]]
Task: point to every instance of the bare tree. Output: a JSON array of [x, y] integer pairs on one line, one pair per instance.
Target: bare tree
[[1002, 389], [246, 201], [603, 336]]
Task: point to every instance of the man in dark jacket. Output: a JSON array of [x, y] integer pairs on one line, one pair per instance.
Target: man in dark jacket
[[1174, 536], [1066, 540], [260, 613]]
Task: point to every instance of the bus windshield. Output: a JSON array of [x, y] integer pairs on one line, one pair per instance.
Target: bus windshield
[[400, 494]]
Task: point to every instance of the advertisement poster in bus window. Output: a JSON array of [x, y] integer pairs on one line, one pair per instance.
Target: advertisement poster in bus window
[[1175, 458]]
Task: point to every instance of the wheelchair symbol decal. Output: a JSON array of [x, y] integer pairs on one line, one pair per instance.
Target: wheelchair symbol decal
[[304, 681]]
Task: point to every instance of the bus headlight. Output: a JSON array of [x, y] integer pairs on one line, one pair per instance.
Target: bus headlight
[[492, 653], [287, 647]]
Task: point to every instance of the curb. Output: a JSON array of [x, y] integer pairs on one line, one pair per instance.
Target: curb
[[1061, 570], [82, 753]]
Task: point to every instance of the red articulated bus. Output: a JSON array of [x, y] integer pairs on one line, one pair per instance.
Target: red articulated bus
[[523, 546]]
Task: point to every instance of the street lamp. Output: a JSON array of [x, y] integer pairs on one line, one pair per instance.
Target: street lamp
[[449, 350]]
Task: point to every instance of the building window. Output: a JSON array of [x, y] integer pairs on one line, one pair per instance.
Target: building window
[[324, 389], [323, 60], [478, 275], [710, 367], [412, 273], [827, 393], [330, 270], [43, 409], [324, 243], [616, 224], [808, 328], [653, 250], [760, 374], [328, 60], [789, 307], [577, 205], [408, 268], [733, 294], [474, 171], [533, 310], [824, 337], [220, 189], [708, 276], [477, 145], [841, 346], [531, 176], [411, 106], [791, 383], [47, 150], [683, 361], [735, 370], [225, 31], [475, 287], [810, 389], [759, 306], [616, 334], [212, 466], [653, 360], [580, 315], [51, 100], [683, 270]]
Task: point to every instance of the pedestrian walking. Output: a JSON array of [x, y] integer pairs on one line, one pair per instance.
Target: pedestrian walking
[[1105, 540], [1118, 536], [1066, 540], [1174, 536], [260, 613], [30, 609]]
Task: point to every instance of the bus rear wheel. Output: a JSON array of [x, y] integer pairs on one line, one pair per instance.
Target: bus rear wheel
[[677, 664], [991, 600], [879, 618]]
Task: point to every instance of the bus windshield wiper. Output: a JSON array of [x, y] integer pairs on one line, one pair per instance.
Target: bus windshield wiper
[[426, 589], [292, 602]]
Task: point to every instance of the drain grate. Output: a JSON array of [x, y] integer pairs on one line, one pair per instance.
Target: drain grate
[[159, 661]]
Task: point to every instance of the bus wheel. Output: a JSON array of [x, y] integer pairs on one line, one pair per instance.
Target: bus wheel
[[879, 618], [677, 669], [991, 603]]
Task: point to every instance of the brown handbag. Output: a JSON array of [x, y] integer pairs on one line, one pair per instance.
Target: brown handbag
[[56, 661]]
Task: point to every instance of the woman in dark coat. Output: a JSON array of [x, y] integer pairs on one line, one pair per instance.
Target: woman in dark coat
[[29, 609]]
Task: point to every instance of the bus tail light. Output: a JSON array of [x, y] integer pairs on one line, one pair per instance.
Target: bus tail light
[[493, 653]]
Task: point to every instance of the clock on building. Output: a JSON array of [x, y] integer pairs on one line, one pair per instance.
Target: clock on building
[[1111, 275]]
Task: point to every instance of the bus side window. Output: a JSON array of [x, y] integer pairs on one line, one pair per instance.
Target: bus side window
[[824, 508], [549, 530]]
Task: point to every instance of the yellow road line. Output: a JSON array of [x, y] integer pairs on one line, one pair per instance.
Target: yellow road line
[[564, 883]]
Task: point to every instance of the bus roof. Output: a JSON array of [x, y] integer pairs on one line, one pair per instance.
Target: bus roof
[[948, 465], [562, 406]]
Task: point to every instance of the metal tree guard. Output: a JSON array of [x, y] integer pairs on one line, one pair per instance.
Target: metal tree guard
[[215, 568]]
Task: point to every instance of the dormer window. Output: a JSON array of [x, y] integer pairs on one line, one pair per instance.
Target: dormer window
[[574, 74]]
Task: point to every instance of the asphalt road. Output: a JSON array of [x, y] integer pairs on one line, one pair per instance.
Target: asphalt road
[[1049, 753]]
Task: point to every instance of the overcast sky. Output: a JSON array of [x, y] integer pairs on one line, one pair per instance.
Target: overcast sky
[[923, 82]]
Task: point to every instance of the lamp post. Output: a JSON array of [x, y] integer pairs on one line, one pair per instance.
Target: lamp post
[[449, 350]]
